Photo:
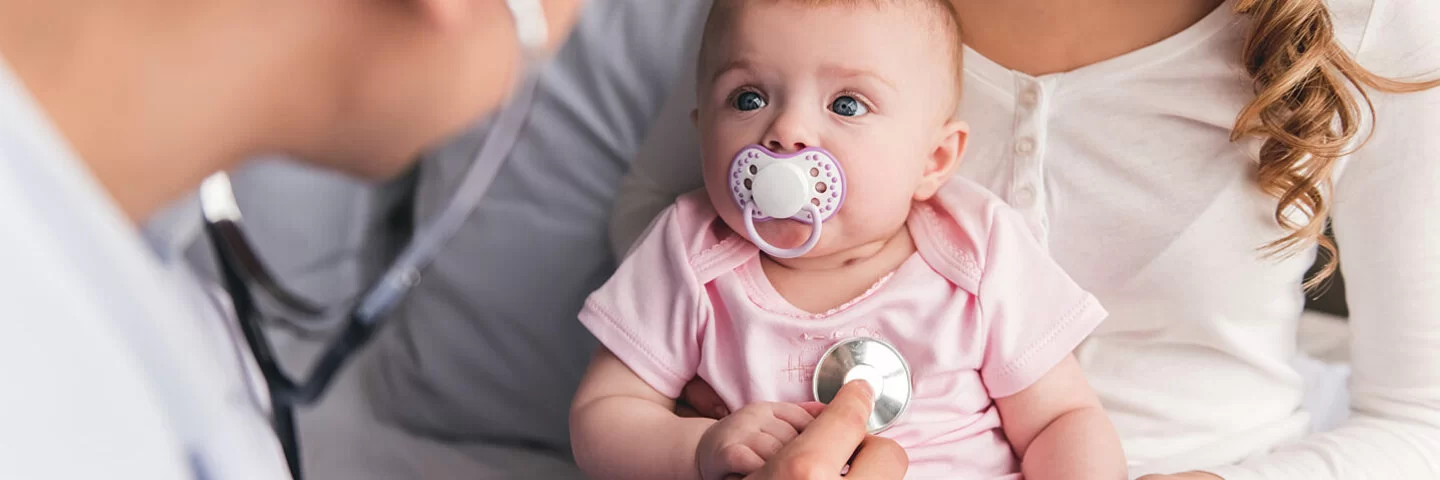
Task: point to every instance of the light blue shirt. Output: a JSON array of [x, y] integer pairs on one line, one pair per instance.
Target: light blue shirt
[[114, 360]]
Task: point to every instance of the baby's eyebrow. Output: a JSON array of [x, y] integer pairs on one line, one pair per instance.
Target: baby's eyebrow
[[848, 72], [729, 66]]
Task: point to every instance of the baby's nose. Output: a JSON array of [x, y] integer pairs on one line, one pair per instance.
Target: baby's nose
[[780, 146]]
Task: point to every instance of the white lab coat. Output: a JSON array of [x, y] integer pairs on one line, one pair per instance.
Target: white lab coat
[[114, 363]]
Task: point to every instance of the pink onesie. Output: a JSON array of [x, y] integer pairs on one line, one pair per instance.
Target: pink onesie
[[980, 312]]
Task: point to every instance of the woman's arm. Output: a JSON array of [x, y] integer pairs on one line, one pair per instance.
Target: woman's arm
[[1387, 222], [668, 162], [620, 427], [1059, 430]]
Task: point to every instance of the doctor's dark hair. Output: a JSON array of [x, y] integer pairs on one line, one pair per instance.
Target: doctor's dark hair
[[1307, 109]]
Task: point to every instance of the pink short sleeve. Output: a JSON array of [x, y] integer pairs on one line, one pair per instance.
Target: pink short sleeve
[[1034, 313], [649, 313]]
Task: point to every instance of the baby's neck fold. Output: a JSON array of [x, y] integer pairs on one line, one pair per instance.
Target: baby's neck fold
[[893, 249]]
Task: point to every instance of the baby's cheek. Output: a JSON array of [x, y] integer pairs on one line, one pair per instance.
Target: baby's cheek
[[874, 216]]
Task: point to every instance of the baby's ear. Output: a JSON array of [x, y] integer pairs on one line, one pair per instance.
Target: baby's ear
[[943, 159]]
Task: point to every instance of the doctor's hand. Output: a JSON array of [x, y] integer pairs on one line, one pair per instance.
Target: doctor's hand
[[835, 437]]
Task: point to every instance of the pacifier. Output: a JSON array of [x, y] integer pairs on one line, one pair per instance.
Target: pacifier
[[806, 186]]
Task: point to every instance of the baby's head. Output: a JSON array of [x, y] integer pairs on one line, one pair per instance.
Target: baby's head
[[874, 82]]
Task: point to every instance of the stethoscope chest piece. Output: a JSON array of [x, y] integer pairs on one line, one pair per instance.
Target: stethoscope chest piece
[[875, 362]]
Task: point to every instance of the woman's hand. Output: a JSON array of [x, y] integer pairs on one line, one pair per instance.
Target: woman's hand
[[699, 400], [1184, 476], [835, 437]]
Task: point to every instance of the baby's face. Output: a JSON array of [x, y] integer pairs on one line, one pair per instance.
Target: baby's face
[[873, 85]]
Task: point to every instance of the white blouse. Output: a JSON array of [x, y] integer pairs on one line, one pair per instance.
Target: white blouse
[[1126, 169]]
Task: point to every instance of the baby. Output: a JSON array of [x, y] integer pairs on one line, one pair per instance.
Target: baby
[[828, 214]]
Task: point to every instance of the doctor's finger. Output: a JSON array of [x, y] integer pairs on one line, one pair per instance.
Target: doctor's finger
[[833, 436]]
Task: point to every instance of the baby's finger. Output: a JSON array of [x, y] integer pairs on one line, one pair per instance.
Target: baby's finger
[[793, 414], [780, 429], [765, 445], [812, 408], [740, 458]]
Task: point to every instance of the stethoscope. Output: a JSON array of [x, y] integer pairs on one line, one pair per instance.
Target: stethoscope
[[872, 361], [244, 274]]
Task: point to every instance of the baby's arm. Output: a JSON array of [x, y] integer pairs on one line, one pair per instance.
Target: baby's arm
[[620, 427], [1059, 430]]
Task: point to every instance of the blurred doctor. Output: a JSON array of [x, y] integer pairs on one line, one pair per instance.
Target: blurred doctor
[[112, 365]]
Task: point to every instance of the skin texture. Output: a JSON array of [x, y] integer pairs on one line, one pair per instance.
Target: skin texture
[[780, 74]]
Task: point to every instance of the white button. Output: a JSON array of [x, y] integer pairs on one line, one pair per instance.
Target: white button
[[1025, 196], [1029, 97], [1024, 146]]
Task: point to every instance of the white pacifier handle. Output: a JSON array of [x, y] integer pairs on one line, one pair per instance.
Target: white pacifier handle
[[784, 252]]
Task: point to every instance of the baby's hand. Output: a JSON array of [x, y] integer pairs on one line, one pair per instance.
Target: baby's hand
[[743, 441]]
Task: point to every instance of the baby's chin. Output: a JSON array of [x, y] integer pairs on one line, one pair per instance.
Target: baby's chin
[[790, 234]]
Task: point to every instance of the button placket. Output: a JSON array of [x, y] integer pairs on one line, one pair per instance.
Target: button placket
[[1027, 178]]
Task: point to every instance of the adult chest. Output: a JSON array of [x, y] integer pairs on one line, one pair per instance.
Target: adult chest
[[1126, 171]]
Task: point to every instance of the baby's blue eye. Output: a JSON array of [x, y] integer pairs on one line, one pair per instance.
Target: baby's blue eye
[[747, 101], [848, 106]]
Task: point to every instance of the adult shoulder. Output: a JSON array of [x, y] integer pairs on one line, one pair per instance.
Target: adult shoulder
[[1394, 38]]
